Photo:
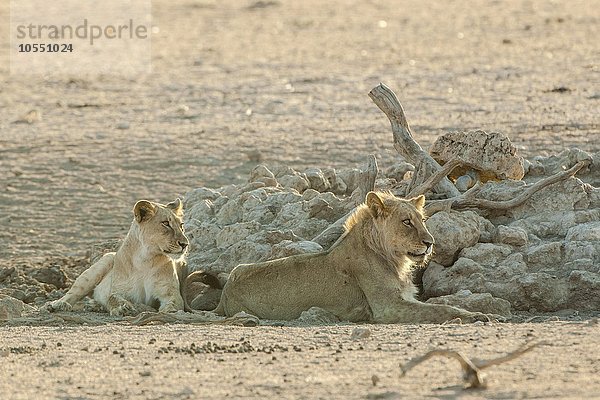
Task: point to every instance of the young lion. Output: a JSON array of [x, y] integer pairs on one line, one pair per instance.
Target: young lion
[[147, 267], [366, 276]]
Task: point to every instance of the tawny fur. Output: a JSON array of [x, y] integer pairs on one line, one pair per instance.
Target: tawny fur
[[146, 269], [365, 276]]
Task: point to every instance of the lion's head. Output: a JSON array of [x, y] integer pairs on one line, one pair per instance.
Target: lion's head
[[397, 228], [161, 227]]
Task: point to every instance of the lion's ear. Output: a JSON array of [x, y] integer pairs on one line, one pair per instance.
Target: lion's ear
[[419, 202], [375, 204], [176, 206], [143, 210]]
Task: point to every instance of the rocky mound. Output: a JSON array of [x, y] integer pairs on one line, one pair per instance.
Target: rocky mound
[[541, 256]]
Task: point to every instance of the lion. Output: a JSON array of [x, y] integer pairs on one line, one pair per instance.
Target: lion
[[366, 276], [148, 268]]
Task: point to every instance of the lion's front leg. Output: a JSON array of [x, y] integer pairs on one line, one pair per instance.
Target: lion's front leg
[[84, 284], [119, 306], [166, 291], [415, 312]]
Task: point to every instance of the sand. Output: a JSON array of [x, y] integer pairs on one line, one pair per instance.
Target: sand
[[284, 82]]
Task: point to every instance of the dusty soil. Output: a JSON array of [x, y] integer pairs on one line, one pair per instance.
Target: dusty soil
[[283, 82]]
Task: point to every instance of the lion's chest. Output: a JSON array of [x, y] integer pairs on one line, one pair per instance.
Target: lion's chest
[[144, 282]]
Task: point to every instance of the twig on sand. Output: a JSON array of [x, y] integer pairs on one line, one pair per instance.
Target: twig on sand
[[472, 375]]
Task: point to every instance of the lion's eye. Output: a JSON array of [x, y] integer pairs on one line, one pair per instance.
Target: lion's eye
[[166, 224], [407, 222]]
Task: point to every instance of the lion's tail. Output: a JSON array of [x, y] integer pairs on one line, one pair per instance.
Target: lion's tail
[[198, 277]]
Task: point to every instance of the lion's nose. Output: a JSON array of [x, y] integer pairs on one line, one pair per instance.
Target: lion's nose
[[428, 242], [183, 245]]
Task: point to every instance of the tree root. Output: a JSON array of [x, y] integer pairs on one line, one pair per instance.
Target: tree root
[[468, 200], [472, 375]]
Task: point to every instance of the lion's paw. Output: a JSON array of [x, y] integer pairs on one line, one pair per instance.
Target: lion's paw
[[169, 308], [477, 316], [57, 305], [123, 309]]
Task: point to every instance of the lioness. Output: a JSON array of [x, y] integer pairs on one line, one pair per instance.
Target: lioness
[[365, 276], [147, 267]]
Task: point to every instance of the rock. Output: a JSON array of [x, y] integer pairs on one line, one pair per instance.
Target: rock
[[232, 234], [337, 186], [360, 333], [288, 248], [317, 316], [478, 302], [319, 208], [52, 276], [351, 177], [544, 255], [260, 171], [486, 254], [230, 213], [452, 232], [513, 236], [584, 290], [317, 180], [296, 182], [13, 308], [588, 232], [492, 155]]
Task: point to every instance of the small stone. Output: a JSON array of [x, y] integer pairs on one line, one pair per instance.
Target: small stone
[[52, 276], [360, 333], [123, 125]]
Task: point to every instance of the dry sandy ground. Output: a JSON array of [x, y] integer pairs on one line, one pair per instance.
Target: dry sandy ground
[[199, 362], [289, 80]]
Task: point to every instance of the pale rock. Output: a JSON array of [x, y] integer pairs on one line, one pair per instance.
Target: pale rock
[[584, 290], [235, 233], [452, 231], [11, 308], [544, 255], [296, 182], [319, 208], [230, 213], [260, 171], [513, 236], [589, 232], [282, 170], [351, 177], [492, 155], [309, 194], [487, 254], [317, 179]]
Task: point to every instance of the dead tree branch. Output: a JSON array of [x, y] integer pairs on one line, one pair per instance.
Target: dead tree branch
[[468, 200], [472, 375], [404, 143]]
